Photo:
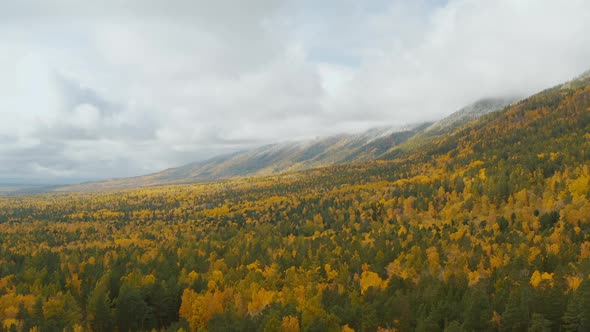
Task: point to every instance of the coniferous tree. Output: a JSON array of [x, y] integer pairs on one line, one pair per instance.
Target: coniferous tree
[[100, 315]]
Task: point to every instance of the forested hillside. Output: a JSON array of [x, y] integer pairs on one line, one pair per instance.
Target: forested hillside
[[271, 159], [484, 229]]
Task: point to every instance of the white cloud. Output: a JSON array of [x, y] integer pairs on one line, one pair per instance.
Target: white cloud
[[107, 89]]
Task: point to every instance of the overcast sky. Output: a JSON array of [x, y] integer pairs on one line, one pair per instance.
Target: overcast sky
[[102, 89]]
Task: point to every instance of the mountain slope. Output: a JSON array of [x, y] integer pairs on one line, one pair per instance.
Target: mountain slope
[[447, 125], [296, 156], [379, 143], [517, 148], [272, 159], [277, 158], [469, 113]]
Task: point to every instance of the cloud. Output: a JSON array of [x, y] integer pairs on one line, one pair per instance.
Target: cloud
[[110, 89], [462, 51]]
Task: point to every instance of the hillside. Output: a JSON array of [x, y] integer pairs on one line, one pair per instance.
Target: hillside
[[483, 229], [296, 156], [272, 159], [468, 113]]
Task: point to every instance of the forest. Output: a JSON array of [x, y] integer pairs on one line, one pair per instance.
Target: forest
[[486, 228]]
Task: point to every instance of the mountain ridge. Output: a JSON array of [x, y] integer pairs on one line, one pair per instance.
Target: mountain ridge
[[271, 159], [372, 144]]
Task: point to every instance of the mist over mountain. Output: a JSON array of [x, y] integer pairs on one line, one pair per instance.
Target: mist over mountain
[[283, 157]]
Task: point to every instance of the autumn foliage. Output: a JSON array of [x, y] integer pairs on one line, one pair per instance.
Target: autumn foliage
[[486, 228]]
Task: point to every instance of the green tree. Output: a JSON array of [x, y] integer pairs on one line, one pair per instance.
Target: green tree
[[100, 315], [515, 316], [539, 324], [131, 309]]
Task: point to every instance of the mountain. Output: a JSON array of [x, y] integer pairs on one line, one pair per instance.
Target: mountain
[[447, 125], [541, 133], [585, 75], [375, 143], [273, 159], [383, 143], [288, 157], [469, 113]]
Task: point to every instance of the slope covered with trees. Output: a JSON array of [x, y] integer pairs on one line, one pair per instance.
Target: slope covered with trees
[[485, 229], [270, 159], [297, 156]]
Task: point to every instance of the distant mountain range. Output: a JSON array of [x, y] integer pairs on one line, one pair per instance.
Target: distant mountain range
[[277, 158]]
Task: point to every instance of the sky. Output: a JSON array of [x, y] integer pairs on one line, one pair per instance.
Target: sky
[[102, 89]]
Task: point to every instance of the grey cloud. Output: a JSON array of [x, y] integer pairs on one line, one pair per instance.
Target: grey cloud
[[74, 94], [84, 114], [106, 89]]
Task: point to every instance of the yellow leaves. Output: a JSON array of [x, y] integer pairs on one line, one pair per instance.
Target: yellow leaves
[[554, 155], [522, 198], [260, 299], [368, 240], [254, 266], [270, 271], [473, 277], [74, 282], [553, 248], [476, 164], [318, 220], [402, 230], [8, 322], [347, 328], [495, 261], [573, 282], [123, 242], [142, 215], [537, 278], [191, 277], [579, 187], [495, 228], [458, 235], [149, 279], [371, 279], [433, 259], [290, 324], [482, 174], [396, 268], [197, 309], [188, 309], [218, 211], [300, 296], [330, 274], [10, 302], [585, 250], [5, 281], [215, 279], [533, 253]]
